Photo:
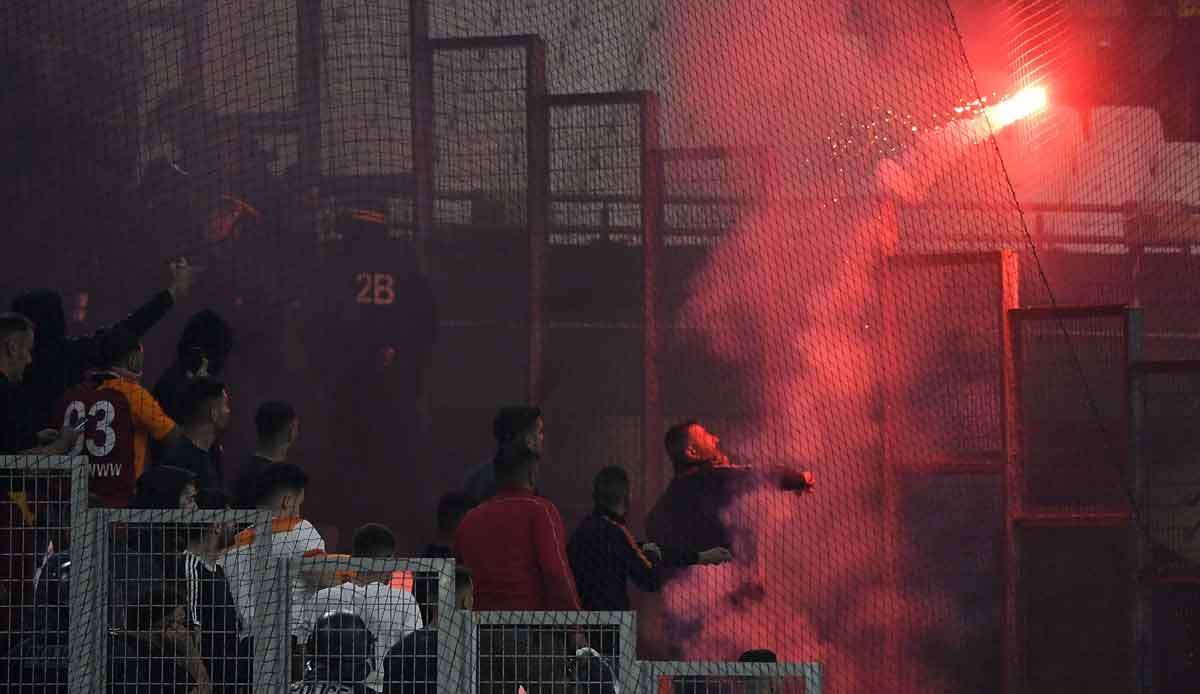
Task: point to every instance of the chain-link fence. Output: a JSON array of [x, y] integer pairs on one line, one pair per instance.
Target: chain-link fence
[[936, 253]]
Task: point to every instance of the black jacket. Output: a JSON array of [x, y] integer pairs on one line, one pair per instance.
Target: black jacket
[[689, 514], [59, 362], [604, 556], [17, 432]]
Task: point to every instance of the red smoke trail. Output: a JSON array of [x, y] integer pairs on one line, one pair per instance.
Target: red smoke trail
[[790, 298]]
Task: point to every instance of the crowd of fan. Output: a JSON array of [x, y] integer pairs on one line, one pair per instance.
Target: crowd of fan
[[189, 594]]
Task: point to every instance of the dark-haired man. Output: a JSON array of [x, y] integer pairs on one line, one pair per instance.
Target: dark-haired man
[[515, 425], [281, 491], [18, 433], [204, 414], [604, 555], [276, 427], [452, 507], [373, 540], [389, 611], [690, 514], [515, 543], [515, 546], [117, 416]]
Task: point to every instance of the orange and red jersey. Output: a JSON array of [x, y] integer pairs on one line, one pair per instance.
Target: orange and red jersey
[[121, 418]]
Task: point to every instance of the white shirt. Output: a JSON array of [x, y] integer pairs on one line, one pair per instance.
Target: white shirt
[[389, 613], [291, 538]]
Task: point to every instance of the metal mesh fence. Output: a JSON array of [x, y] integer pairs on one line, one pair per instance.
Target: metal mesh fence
[[921, 250]]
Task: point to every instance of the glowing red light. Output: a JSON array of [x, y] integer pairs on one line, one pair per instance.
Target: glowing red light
[[1023, 104]]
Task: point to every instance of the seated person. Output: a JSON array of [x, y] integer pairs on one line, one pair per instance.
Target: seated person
[[389, 612], [156, 653], [341, 654], [411, 665]]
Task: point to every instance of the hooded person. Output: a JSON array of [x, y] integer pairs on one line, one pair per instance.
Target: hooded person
[[203, 350], [341, 654], [59, 361]]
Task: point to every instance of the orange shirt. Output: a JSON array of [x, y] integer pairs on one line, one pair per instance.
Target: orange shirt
[[148, 418]]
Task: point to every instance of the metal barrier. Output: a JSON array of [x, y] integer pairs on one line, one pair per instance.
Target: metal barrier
[[137, 563], [144, 598], [43, 501], [593, 652], [726, 678]]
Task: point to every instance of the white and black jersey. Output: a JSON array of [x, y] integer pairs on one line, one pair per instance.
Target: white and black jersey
[[212, 612]]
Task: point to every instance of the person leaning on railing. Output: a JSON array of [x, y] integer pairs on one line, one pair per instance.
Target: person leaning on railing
[[281, 490]]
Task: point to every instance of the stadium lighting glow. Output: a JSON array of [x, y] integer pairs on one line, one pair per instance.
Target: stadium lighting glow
[[1023, 104]]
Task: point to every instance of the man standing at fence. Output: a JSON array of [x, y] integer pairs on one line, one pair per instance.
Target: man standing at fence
[[694, 513], [526, 570], [605, 556]]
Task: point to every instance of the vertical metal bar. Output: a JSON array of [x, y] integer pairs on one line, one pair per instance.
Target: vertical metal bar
[[308, 87], [421, 80], [1141, 614], [265, 597], [627, 670], [102, 557], [1011, 643], [537, 205], [82, 601], [652, 415], [451, 630], [1009, 279], [888, 464]]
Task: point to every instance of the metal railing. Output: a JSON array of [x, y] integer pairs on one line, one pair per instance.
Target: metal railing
[[475, 651]]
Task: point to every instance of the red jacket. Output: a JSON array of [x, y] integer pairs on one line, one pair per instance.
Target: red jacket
[[516, 547]]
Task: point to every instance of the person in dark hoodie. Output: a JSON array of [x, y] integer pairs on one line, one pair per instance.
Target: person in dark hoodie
[[202, 350], [59, 361]]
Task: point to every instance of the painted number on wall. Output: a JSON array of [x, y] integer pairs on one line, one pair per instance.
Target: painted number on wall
[[378, 288]]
